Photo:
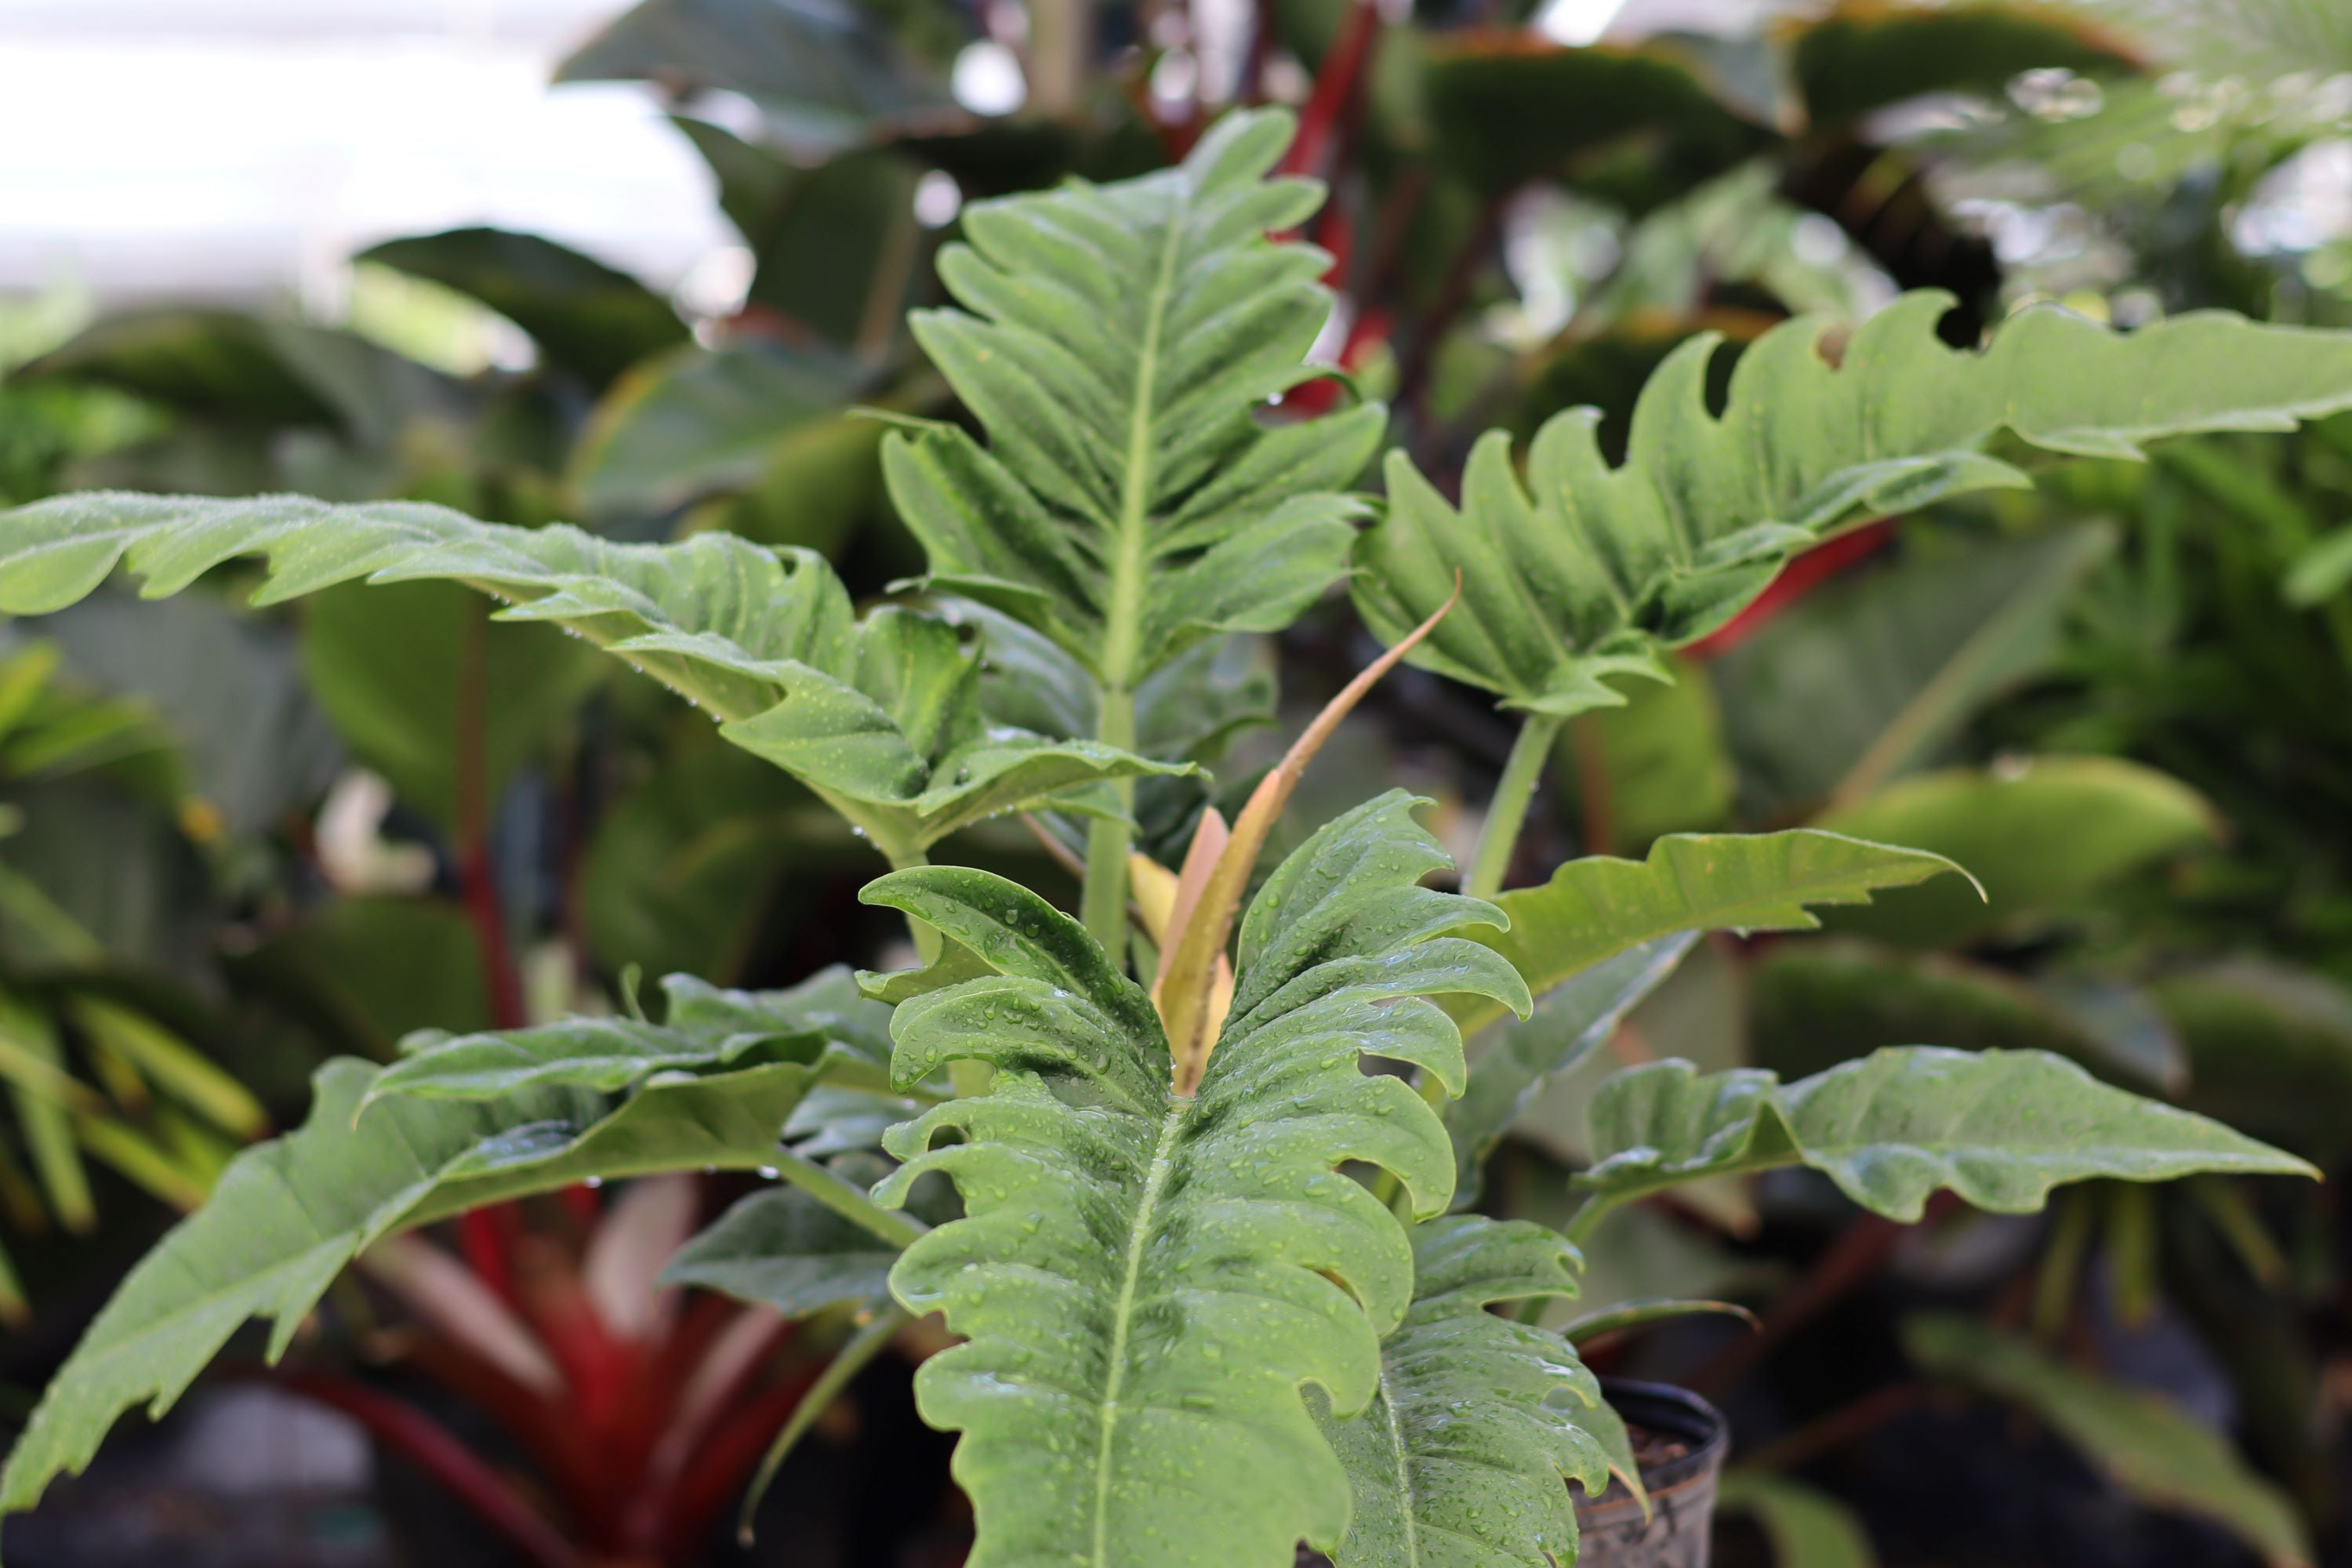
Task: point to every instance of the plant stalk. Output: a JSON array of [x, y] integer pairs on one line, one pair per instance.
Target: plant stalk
[[1103, 901], [846, 1198], [848, 1363], [1507, 813]]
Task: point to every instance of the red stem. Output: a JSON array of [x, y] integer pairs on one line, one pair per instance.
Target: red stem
[[1337, 85], [428, 1444]]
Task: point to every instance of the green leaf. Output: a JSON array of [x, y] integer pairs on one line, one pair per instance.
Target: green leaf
[[46, 1121], [1597, 906], [1861, 58], [368, 972], [1570, 1023], [2270, 1049], [1627, 1315], [825, 1025], [586, 317], [2038, 837], [1146, 1280], [1999, 1128], [687, 868], [1655, 764], [1122, 339], [288, 1214], [780, 1248], [1873, 674], [1806, 1527], [878, 716], [1568, 578], [1816, 1004], [2152, 1447], [445, 701], [1460, 1460], [2322, 570], [698, 420], [822, 76]]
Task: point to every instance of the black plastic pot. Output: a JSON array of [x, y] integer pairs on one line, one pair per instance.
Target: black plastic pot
[[1612, 1530]]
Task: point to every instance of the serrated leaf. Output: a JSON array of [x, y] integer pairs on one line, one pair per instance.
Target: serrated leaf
[[288, 1214], [878, 716], [1999, 1128], [1568, 1024], [2039, 838], [2152, 1447], [1462, 1459], [1599, 906], [780, 1248], [1121, 341], [1146, 1280], [1569, 578]]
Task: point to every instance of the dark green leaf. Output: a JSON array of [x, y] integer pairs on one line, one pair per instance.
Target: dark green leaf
[[780, 1248], [586, 317]]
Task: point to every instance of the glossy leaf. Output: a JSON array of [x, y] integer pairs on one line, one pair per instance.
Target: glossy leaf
[[1461, 1460], [593, 319], [1570, 577], [1146, 1280], [2153, 1448], [877, 715], [1568, 1024], [781, 1249], [1597, 906], [1999, 1128], [288, 1214], [2039, 838], [1120, 342], [1862, 57]]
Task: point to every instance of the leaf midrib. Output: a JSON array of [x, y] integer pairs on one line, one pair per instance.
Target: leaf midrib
[[1123, 1317], [1123, 624]]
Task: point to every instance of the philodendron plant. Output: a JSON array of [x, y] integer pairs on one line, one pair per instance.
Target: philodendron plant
[[1216, 1284]]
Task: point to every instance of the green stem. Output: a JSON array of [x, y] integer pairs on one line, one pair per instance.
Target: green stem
[[1102, 902], [1507, 813], [1581, 1224], [848, 1363], [845, 1199]]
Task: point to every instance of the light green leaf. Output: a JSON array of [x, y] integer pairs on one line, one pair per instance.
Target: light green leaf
[[1597, 906], [2152, 1447], [823, 1024], [2322, 570], [1461, 1460], [288, 1214], [1569, 577], [1806, 1527], [878, 716], [2037, 836], [1999, 1128], [780, 1248], [1147, 1281], [1121, 342], [1568, 1024]]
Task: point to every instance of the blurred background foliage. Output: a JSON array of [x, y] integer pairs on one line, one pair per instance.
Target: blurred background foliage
[[237, 841]]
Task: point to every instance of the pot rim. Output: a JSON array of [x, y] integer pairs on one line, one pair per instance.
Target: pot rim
[[1664, 1407]]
